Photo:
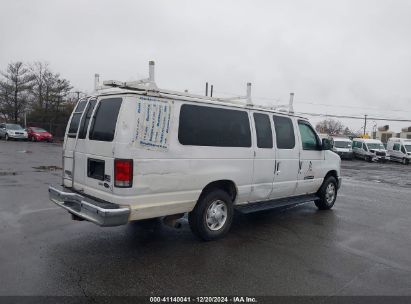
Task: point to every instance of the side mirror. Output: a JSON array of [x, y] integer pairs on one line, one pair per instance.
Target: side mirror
[[326, 144]]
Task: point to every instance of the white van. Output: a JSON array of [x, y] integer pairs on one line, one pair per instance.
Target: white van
[[400, 150], [342, 146], [370, 149], [137, 152]]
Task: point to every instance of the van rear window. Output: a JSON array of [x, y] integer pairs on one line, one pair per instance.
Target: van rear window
[[86, 119], [74, 125], [75, 120], [208, 126], [105, 119]]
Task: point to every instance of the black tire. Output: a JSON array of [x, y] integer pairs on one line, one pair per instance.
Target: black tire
[[405, 161], [325, 202], [198, 217], [368, 159], [33, 139], [6, 137]]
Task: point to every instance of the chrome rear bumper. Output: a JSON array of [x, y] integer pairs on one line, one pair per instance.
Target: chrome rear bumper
[[103, 214]]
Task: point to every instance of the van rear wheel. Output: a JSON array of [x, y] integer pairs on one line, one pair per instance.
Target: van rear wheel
[[405, 161], [327, 194], [211, 218]]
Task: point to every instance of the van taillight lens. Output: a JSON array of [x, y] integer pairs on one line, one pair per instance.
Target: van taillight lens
[[123, 173]]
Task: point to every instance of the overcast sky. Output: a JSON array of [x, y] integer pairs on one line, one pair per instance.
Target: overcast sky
[[339, 57]]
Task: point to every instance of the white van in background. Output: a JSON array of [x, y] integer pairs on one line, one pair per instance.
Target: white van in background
[[134, 152], [342, 146], [400, 150], [369, 149]]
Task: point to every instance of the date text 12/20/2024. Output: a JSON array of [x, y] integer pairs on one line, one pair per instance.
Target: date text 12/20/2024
[[234, 299]]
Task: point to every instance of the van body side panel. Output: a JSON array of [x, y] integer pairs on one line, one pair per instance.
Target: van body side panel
[[170, 180]]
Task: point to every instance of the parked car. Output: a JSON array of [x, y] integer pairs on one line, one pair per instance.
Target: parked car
[[12, 131], [342, 146], [370, 149], [400, 150], [130, 155], [39, 134]]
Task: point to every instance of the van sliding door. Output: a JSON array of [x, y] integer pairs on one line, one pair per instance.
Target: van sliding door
[[287, 158], [264, 158]]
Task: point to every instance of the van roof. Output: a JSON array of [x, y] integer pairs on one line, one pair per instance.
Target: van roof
[[189, 97], [396, 139], [341, 138], [368, 140]]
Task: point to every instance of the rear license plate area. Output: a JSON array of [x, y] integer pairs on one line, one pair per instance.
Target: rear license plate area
[[95, 168]]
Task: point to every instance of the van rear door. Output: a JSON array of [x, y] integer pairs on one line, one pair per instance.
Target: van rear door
[[70, 142], [94, 158]]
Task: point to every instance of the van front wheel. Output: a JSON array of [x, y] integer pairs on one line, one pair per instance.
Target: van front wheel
[[211, 218], [327, 194]]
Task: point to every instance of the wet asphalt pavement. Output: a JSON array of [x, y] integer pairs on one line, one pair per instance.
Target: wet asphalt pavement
[[361, 247]]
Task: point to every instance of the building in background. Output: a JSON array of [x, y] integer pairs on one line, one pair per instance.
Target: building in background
[[405, 133], [383, 133]]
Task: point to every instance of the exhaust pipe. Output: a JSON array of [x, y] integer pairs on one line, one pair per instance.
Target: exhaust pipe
[[173, 220]]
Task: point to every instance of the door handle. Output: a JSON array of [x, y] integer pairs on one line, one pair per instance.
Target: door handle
[[277, 167], [300, 165]]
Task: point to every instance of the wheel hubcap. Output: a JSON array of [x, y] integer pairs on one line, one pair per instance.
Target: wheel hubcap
[[330, 193], [216, 215]]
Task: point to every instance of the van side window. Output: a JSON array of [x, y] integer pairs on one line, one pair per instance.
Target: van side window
[[403, 150], [208, 126], [263, 130], [284, 132], [396, 147], [309, 138], [75, 120], [86, 119], [105, 119]]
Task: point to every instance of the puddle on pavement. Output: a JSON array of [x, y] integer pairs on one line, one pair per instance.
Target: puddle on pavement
[[4, 173], [47, 168]]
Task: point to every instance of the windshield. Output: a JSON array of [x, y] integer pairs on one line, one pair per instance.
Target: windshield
[[375, 146], [342, 144], [40, 130], [408, 148], [13, 127]]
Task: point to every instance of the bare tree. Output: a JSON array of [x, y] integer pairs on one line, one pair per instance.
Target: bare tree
[[15, 90], [330, 126], [39, 70]]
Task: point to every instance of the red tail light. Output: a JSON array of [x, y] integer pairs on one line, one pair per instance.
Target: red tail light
[[123, 173]]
